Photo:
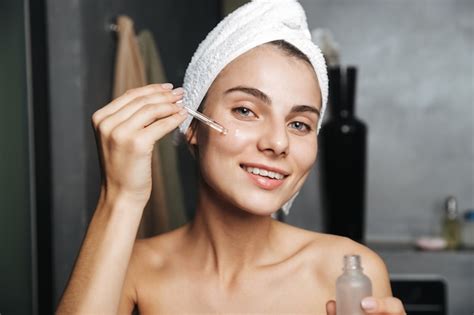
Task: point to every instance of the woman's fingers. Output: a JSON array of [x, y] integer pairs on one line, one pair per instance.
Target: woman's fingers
[[389, 305], [372, 305], [156, 98], [163, 126], [331, 307], [126, 111], [147, 115], [126, 131], [126, 98]]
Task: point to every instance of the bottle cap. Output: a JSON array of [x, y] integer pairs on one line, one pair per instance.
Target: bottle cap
[[451, 207]]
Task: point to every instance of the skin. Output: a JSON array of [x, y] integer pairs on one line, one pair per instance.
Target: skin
[[233, 257]]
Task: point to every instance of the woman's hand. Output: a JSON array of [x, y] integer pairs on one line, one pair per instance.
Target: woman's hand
[[373, 305], [126, 131]]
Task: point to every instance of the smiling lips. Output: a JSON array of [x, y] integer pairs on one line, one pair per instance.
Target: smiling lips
[[265, 178]]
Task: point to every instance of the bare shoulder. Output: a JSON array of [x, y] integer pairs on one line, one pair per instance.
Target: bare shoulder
[[335, 247], [154, 251], [326, 253], [147, 258]]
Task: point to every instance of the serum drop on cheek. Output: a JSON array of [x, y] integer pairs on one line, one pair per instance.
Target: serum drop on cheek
[[351, 287], [243, 135]]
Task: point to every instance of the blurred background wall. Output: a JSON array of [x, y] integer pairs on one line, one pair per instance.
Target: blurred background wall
[[415, 92]]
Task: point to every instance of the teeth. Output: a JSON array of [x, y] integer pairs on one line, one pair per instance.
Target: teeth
[[265, 173]]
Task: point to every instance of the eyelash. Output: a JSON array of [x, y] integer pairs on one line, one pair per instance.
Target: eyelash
[[307, 128], [238, 111]]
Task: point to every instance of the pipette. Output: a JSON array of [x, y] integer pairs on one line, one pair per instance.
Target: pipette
[[206, 120]]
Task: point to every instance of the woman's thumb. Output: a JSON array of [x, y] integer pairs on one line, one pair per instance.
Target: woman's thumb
[[331, 307]]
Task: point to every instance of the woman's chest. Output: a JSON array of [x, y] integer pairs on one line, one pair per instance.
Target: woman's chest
[[298, 292]]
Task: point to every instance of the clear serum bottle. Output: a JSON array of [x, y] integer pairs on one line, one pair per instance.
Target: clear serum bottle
[[352, 287]]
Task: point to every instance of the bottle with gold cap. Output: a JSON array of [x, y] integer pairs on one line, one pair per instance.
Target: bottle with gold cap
[[451, 224]]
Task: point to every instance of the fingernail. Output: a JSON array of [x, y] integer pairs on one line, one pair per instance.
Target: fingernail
[[369, 303], [178, 91], [167, 86], [180, 103], [183, 112]]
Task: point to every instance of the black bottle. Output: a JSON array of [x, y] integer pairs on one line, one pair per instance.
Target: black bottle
[[343, 147]]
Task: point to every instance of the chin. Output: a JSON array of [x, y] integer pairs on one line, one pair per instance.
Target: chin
[[258, 207], [262, 213]]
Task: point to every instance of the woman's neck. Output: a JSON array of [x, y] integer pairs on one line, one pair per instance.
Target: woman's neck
[[228, 240]]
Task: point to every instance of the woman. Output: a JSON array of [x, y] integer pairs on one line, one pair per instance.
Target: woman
[[233, 257]]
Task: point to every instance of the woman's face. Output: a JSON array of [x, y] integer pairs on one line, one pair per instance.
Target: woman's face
[[270, 103]]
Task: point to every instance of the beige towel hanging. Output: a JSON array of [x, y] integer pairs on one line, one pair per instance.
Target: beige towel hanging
[[129, 74], [129, 68], [166, 148]]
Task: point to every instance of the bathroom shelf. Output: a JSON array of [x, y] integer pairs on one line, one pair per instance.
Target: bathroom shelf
[[409, 247], [456, 267]]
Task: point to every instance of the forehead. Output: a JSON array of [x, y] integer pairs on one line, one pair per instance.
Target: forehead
[[272, 70]]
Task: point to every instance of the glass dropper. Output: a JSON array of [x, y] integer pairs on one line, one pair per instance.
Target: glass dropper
[[206, 120]]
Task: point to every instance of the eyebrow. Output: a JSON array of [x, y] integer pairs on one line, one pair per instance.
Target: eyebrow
[[267, 100], [305, 108]]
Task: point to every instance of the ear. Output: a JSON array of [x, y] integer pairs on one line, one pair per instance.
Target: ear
[[191, 135], [191, 138]]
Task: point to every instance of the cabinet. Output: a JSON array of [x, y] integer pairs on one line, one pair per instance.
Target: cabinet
[[456, 267]]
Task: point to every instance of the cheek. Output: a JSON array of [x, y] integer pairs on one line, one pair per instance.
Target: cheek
[[241, 135], [304, 154], [238, 138], [220, 154]]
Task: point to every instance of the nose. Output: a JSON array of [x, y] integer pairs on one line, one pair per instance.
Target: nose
[[274, 140]]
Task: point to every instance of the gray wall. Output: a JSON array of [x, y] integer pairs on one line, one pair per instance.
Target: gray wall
[[17, 260], [415, 92], [81, 58]]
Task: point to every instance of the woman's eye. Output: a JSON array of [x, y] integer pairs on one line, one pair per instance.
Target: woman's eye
[[243, 111], [300, 126]]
